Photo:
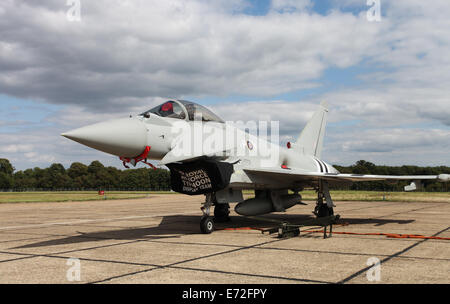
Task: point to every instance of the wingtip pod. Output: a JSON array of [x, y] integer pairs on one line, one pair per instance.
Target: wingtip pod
[[444, 177]]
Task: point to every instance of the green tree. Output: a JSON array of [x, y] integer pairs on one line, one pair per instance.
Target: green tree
[[113, 178], [78, 174], [98, 176], [95, 167], [6, 167], [58, 177], [6, 181], [363, 167], [29, 181], [77, 170]]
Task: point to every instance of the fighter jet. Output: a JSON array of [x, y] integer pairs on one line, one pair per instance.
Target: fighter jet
[[207, 156]]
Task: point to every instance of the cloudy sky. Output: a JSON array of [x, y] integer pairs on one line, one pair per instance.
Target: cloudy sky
[[387, 82]]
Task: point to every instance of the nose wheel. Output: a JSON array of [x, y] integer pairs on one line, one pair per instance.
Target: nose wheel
[[207, 225]]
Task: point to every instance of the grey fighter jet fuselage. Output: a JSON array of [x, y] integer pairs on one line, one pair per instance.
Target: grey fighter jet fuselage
[[207, 156]]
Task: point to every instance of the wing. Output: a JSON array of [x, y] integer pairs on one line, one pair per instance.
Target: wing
[[294, 175]]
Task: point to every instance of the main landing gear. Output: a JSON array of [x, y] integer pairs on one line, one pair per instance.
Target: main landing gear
[[221, 213], [323, 208]]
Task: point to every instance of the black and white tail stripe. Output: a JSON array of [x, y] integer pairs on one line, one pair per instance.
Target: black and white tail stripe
[[326, 166], [323, 166], [320, 165]]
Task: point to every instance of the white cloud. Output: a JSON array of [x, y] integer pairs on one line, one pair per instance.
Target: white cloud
[[290, 5], [376, 140], [17, 148], [124, 55], [395, 147], [141, 49]]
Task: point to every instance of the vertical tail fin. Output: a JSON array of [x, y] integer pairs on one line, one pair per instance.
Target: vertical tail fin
[[310, 140]]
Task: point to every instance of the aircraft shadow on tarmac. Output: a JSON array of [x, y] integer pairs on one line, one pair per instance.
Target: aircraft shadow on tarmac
[[178, 225]]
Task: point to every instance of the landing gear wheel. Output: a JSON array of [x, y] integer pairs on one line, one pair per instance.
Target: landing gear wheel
[[221, 213], [323, 211], [206, 225]]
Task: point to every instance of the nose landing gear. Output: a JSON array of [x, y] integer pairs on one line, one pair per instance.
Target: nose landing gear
[[206, 223], [221, 213]]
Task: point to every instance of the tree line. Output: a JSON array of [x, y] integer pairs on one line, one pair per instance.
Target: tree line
[[82, 177], [98, 177], [365, 167]]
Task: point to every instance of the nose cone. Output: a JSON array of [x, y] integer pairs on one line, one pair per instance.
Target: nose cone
[[121, 137]]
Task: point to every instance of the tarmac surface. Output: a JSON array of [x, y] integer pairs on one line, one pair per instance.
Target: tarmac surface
[[158, 240]]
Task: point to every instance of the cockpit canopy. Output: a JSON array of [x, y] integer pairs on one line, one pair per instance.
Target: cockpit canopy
[[179, 109]]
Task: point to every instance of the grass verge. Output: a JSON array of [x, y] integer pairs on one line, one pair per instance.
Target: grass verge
[[34, 197], [308, 195]]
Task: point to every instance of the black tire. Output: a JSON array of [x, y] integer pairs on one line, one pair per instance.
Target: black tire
[[206, 225], [323, 211], [221, 213]]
